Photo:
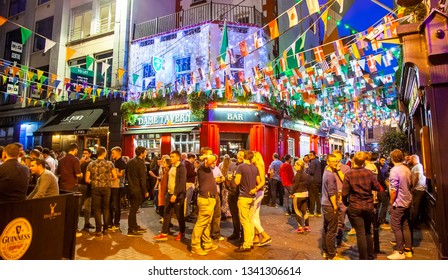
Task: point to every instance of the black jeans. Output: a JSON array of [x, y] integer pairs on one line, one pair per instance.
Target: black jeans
[[300, 205], [276, 190], [178, 207], [215, 231], [101, 202], [361, 220], [233, 207], [135, 199], [329, 231], [383, 205], [315, 203], [415, 208], [115, 206]]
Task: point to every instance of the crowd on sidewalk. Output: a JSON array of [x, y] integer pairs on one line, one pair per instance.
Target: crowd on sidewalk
[[363, 188]]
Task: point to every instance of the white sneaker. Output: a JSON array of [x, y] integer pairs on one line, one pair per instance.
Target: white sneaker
[[352, 232], [78, 234], [396, 256], [408, 254]]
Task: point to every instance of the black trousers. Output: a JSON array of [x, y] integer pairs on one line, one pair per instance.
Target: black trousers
[[178, 207], [233, 206]]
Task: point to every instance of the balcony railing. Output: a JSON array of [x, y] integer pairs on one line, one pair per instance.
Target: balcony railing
[[207, 12]]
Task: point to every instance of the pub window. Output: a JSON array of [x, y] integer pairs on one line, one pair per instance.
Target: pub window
[[6, 135], [81, 22], [186, 142], [150, 141], [291, 144], [183, 69], [45, 29], [16, 7], [16, 37], [370, 133]]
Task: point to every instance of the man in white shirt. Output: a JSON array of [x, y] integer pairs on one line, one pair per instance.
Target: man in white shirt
[[418, 187]]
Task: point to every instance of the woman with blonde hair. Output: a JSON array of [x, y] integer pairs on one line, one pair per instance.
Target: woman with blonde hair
[[163, 184], [300, 196], [257, 160]]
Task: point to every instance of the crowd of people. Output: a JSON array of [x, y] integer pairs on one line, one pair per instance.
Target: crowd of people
[[362, 188]]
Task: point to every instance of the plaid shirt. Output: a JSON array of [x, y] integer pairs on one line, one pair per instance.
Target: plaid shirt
[[357, 189]]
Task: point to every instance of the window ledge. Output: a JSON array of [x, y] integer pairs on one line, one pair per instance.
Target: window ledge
[[90, 38]]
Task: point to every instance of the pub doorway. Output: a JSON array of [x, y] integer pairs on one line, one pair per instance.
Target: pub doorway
[[231, 143]]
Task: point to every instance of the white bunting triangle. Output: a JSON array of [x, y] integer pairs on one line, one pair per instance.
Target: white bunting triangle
[[48, 44]]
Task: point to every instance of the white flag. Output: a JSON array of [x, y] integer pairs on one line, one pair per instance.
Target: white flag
[[104, 68], [48, 44], [313, 6]]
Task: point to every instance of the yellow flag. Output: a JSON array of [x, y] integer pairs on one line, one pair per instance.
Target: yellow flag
[[69, 53], [2, 20], [273, 29], [120, 73]]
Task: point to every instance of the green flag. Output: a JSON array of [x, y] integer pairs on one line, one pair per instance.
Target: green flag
[[224, 43], [89, 62], [134, 78], [26, 33]]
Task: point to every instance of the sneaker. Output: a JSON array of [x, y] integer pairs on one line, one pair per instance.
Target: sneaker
[[212, 248], [385, 226], [299, 230], [408, 253], [241, 249], [288, 213], [307, 228], [161, 237], [393, 242], [114, 228], [219, 238], [265, 242], [396, 256], [179, 237], [78, 234], [344, 245], [310, 214], [140, 229], [337, 257], [85, 230], [97, 233], [324, 255], [198, 251], [134, 233], [318, 215], [352, 232], [88, 226], [233, 237]]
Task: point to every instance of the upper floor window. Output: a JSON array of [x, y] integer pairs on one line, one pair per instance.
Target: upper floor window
[[16, 7], [81, 22], [183, 70], [40, 2], [107, 17], [370, 133], [44, 28], [149, 76]]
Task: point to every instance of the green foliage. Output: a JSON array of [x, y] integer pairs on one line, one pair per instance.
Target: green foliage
[[244, 99], [301, 113], [313, 119], [393, 140], [127, 111], [197, 102], [419, 11]]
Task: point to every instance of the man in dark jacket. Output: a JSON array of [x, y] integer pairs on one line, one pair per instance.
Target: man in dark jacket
[[136, 176], [13, 176], [175, 197], [316, 184]]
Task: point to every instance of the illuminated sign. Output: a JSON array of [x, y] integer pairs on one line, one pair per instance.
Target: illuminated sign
[[165, 118]]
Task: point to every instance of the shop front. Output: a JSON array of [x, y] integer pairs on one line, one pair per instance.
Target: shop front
[[226, 130], [338, 140], [302, 139]]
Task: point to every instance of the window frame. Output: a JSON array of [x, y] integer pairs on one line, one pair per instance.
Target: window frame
[[41, 39], [19, 3]]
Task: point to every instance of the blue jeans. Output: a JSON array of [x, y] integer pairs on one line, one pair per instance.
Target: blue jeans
[[101, 202], [329, 231], [287, 206], [276, 189], [361, 220]]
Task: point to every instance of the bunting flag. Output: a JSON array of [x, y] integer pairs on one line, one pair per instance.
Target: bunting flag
[[120, 72], [224, 45], [273, 29], [26, 33], [2, 20], [324, 18], [228, 89], [341, 5], [243, 49], [39, 74], [376, 45], [104, 68], [231, 56], [386, 61], [48, 44], [135, 78], [339, 47], [201, 75], [89, 62], [313, 6], [300, 59], [218, 82], [319, 54], [257, 41], [292, 15], [53, 78], [371, 62], [210, 69], [69, 53], [355, 51]]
